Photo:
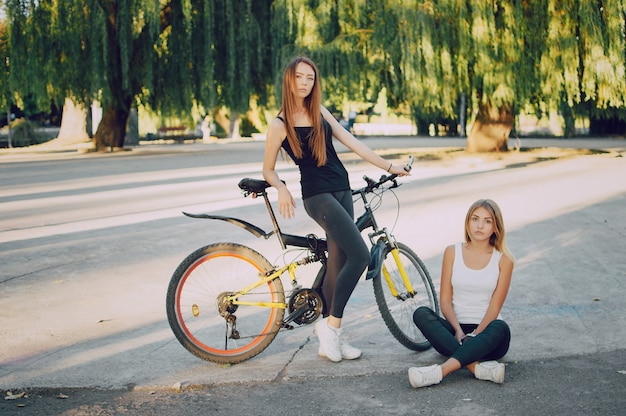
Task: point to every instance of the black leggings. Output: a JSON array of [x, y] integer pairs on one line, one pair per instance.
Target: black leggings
[[491, 344], [348, 255]]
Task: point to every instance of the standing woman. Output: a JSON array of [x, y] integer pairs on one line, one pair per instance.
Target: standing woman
[[475, 280], [305, 129]]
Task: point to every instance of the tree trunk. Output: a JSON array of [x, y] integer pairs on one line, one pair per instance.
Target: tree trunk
[[569, 121], [222, 120], [132, 128], [462, 115], [207, 123], [490, 132], [234, 125], [73, 123], [112, 129]]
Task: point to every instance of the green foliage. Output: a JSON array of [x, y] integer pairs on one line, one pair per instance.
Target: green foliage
[[582, 62], [169, 55], [173, 56], [247, 128], [336, 35], [5, 90], [436, 51], [242, 43], [602, 45]]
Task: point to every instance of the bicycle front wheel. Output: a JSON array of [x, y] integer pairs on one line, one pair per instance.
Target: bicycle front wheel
[[202, 314], [396, 303]]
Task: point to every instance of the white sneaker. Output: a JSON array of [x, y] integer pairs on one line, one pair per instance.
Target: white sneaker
[[329, 341], [490, 370], [348, 352], [425, 376]]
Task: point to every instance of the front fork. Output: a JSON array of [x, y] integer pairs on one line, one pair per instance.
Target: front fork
[[395, 252], [377, 264]]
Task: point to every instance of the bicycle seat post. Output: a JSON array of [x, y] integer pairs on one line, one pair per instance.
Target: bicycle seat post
[[277, 230]]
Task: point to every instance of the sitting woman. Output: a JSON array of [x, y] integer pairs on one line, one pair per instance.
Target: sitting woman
[[475, 279]]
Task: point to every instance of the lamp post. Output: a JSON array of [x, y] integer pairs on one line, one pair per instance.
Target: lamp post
[[9, 144]]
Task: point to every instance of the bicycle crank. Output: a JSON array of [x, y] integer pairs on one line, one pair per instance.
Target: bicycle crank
[[305, 306]]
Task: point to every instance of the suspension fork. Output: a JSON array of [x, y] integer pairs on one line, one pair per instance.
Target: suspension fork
[[395, 253], [367, 220]]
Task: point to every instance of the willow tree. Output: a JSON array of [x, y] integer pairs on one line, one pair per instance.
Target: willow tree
[[583, 67], [419, 45], [171, 55], [503, 55], [335, 34], [498, 64], [440, 53]]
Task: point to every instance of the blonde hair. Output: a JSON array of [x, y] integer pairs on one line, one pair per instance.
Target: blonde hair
[[498, 237], [312, 104]]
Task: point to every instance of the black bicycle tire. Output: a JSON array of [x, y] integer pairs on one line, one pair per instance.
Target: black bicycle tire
[[196, 261], [410, 336]]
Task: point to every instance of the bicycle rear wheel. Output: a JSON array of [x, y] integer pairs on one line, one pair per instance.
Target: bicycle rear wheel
[[397, 311], [202, 319]]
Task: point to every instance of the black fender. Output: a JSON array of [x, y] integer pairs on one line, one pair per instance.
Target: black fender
[[258, 232], [377, 255]]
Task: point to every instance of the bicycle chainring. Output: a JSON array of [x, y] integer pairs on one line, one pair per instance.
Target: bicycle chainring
[[309, 299]]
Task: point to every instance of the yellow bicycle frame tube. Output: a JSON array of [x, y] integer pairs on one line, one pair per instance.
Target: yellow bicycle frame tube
[[234, 299]]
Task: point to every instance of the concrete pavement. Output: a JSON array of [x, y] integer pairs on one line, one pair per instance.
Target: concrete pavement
[[566, 299]]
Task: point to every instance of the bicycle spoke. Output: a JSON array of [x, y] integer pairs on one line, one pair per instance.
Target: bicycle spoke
[[201, 301]]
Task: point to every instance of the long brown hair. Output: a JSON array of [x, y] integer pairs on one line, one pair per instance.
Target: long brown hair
[[312, 104], [498, 237]]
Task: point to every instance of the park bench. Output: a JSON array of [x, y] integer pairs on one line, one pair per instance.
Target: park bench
[[177, 133]]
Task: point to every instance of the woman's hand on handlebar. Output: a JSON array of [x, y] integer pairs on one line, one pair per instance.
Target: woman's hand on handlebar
[[398, 170], [404, 170]]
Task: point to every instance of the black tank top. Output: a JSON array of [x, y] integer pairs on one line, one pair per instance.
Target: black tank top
[[314, 180]]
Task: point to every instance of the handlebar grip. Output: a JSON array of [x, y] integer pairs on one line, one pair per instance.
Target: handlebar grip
[[368, 180], [409, 165]]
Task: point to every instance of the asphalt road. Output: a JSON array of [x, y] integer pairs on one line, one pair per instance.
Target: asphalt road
[[88, 243]]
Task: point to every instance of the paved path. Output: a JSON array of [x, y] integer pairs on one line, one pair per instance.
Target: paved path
[[566, 226]]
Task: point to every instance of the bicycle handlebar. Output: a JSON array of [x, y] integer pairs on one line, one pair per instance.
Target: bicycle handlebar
[[372, 184]]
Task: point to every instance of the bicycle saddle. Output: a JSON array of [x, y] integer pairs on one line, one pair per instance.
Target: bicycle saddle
[[256, 186]]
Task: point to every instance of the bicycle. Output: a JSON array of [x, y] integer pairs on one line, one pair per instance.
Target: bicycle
[[226, 303]]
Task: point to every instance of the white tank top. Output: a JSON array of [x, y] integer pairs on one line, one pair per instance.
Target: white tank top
[[472, 289]]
